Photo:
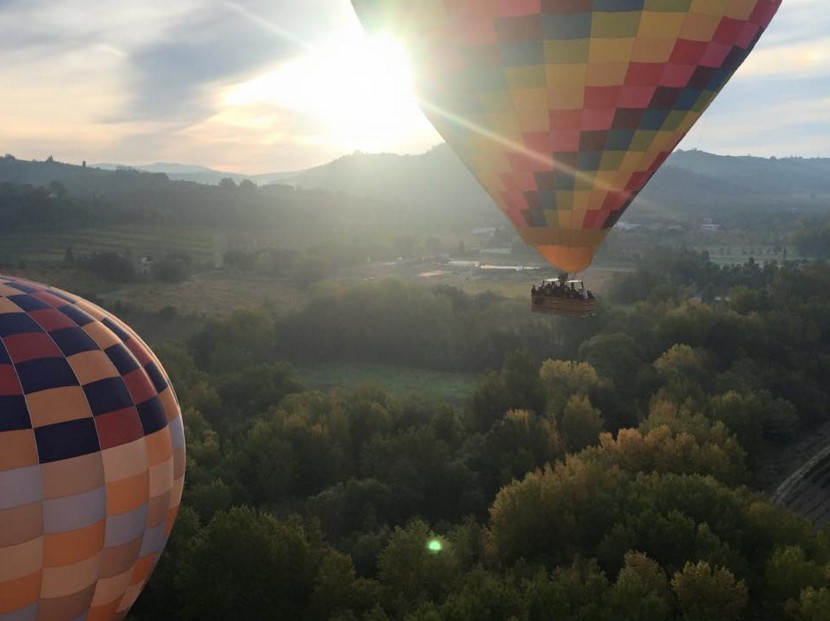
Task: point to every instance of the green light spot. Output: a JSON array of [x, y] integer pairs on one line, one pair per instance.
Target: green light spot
[[434, 545]]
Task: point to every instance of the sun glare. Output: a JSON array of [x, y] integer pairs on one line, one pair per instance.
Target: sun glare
[[357, 89]]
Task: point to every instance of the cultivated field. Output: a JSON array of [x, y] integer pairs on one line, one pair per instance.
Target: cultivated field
[[136, 240]]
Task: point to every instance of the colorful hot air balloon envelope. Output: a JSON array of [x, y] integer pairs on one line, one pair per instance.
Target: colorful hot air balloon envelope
[[91, 458], [564, 109]]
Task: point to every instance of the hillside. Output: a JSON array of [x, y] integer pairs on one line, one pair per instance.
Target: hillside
[[438, 177], [713, 175], [756, 174], [435, 192], [434, 179]]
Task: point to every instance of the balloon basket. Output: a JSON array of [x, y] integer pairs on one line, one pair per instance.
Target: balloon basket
[[562, 307]]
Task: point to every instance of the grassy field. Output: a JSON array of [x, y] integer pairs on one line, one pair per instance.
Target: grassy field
[[138, 240], [597, 279], [211, 294], [399, 381], [76, 280], [217, 293]]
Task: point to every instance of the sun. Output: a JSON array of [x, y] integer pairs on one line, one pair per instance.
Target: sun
[[357, 90]]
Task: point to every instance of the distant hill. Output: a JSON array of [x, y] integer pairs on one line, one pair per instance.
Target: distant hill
[[691, 185], [198, 174], [388, 174], [162, 167], [757, 174], [435, 181]]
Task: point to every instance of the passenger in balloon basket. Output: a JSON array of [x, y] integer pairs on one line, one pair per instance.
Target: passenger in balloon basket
[[560, 288]]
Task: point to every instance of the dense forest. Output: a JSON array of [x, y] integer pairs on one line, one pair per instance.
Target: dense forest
[[604, 469]]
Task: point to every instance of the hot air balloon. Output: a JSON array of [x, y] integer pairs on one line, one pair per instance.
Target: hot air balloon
[[91, 458], [564, 109]]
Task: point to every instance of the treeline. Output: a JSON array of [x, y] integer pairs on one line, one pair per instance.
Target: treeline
[[612, 484], [91, 196], [439, 328], [264, 225], [130, 197], [812, 237], [25, 208], [115, 267]]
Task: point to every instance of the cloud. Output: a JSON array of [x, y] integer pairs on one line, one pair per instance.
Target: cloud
[[171, 77], [31, 28], [773, 116], [177, 76], [796, 43], [776, 104]]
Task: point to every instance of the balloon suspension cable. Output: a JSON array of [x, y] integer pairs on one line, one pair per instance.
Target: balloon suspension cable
[[563, 276]]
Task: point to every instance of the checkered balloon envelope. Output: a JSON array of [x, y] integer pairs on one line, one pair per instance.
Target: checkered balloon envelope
[[564, 109], [92, 458]]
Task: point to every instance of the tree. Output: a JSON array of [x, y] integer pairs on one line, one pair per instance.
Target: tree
[[628, 288], [416, 465], [745, 416], [641, 592], [708, 594], [171, 270], [252, 391], [661, 449], [353, 506], [515, 445], [338, 590], [484, 596], [563, 378], [617, 357], [207, 499], [789, 572], [686, 374], [700, 445], [581, 423], [537, 518], [412, 571], [243, 338], [245, 564], [812, 605], [263, 467], [578, 592], [111, 266], [681, 363], [489, 402], [813, 238], [516, 387]]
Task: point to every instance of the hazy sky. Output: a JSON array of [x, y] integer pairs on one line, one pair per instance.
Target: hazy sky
[[268, 85]]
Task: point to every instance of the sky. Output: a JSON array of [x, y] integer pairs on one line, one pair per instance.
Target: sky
[[256, 86]]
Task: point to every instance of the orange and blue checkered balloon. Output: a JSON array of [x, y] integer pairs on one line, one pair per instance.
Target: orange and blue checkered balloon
[[91, 458], [564, 109]]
